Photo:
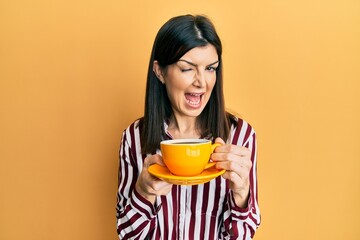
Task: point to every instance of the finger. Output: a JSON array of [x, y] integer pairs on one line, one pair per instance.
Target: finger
[[235, 149], [238, 178], [160, 187], [233, 177], [152, 159], [231, 157], [219, 140], [228, 166], [235, 165], [164, 190], [159, 160], [225, 157]]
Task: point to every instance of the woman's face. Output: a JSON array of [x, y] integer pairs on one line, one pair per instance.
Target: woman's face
[[190, 81]]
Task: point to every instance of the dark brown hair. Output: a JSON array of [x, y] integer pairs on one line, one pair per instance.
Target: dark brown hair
[[176, 37]]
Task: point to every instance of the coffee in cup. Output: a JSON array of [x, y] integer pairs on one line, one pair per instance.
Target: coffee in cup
[[187, 157]]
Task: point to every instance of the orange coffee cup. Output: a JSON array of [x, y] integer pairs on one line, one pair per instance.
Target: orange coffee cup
[[187, 157]]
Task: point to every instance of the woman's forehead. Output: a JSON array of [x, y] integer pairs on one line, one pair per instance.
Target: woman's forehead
[[204, 55]]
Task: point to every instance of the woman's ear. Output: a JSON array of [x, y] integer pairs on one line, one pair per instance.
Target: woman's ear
[[158, 72]]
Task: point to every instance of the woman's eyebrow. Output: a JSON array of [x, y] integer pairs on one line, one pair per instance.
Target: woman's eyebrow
[[195, 65], [213, 63]]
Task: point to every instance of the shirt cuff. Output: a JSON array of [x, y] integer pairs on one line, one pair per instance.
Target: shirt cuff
[[143, 206], [238, 211]]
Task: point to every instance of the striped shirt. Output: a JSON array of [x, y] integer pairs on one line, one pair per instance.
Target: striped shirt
[[204, 211]]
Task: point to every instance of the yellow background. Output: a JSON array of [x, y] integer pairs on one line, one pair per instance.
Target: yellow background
[[72, 77]]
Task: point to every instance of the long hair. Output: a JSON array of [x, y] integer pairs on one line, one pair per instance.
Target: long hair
[[176, 37]]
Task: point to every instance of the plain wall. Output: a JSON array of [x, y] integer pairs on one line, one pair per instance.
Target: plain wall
[[72, 78]]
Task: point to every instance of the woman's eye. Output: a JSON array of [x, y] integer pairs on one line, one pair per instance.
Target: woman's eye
[[186, 69], [211, 69]]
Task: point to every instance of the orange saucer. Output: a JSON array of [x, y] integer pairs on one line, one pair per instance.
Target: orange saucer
[[164, 174]]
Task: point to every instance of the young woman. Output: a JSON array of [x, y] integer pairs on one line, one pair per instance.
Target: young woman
[[184, 99]]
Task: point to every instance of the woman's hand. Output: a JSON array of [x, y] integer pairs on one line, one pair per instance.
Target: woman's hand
[[237, 163], [149, 186]]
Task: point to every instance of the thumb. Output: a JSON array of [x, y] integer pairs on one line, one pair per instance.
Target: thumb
[[152, 159], [219, 140]]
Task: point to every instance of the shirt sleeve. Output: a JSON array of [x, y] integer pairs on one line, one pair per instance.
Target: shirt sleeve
[[136, 216], [242, 223]]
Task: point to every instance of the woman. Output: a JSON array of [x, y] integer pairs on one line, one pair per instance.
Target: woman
[[184, 99]]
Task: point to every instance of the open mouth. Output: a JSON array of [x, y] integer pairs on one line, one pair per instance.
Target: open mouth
[[193, 99]]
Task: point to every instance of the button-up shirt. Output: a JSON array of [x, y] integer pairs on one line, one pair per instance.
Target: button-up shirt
[[204, 211]]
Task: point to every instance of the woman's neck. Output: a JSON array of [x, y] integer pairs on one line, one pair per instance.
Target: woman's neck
[[183, 128]]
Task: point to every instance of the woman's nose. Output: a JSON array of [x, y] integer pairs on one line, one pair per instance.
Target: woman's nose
[[200, 80]]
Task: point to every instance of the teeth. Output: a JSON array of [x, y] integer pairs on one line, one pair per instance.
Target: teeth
[[194, 103], [195, 98]]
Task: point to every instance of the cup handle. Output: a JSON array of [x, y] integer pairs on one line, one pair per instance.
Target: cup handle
[[209, 165], [213, 146]]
